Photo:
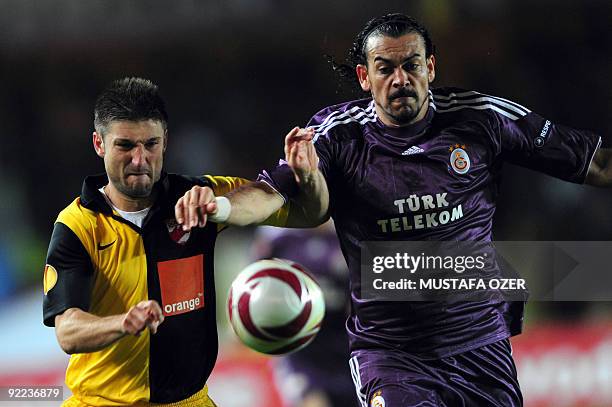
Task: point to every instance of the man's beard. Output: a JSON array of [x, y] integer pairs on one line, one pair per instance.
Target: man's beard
[[136, 191], [404, 116], [407, 113]]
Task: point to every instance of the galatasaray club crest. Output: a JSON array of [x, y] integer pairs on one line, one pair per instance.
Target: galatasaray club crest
[[459, 159], [377, 400], [177, 234]]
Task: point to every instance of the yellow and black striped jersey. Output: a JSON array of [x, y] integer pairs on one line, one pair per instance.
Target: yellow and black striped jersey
[[103, 264]]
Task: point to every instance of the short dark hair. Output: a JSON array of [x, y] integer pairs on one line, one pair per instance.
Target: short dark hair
[[392, 25], [129, 99]]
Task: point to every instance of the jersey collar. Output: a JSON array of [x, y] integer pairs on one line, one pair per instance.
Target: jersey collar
[[410, 130], [91, 198]]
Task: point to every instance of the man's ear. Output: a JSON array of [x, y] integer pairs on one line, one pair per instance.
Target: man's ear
[[431, 68], [362, 75], [98, 144], [165, 140]]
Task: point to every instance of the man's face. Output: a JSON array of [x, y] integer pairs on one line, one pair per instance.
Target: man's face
[[133, 155], [398, 75]]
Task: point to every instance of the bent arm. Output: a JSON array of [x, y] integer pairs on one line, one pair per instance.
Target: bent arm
[[600, 170], [259, 203], [256, 202], [312, 200], [310, 208], [78, 331]]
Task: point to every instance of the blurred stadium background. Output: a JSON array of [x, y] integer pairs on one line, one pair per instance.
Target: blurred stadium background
[[237, 75]]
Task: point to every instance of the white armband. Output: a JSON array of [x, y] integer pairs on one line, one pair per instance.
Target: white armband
[[224, 208]]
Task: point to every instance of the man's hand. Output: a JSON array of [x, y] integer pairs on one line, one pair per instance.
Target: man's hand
[[79, 331], [145, 314], [192, 208], [311, 206], [301, 155]]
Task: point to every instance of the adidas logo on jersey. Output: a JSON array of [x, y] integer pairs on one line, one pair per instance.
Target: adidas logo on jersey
[[413, 150]]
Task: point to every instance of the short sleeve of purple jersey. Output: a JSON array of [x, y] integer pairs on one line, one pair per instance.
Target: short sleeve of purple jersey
[[281, 178], [536, 143]]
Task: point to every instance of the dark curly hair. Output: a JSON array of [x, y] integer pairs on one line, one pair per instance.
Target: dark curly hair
[[391, 25], [130, 99]]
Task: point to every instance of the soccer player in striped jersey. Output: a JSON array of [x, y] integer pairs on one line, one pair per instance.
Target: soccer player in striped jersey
[[118, 265], [418, 163]]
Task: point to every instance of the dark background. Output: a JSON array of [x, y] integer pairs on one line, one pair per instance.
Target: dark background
[[238, 74]]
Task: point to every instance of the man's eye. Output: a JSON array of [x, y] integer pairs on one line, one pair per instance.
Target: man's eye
[[151, 144], [125, 146], [385, 70], [411, 67]]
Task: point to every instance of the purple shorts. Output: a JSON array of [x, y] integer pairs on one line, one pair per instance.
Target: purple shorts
[[485, 376]]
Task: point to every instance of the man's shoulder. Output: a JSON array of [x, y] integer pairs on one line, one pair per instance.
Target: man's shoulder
[[453, 101], [345, 118], [77, 218]]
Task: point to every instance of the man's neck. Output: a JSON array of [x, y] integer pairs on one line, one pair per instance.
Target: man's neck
[[126, 203]]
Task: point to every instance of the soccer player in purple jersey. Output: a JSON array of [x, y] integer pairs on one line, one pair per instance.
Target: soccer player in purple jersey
[[317, 376], [413, 163]]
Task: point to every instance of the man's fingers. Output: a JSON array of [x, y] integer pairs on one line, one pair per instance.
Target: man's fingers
[[192, 208], [182, 207], [153, 326], [290, 139], [302, 155], [292, 133], [145, 314], [194, 202], [134, 321], [313, 158], [206, 205], [292, 156], [296, 162], [152, 322], [178, 211], [209, 208], [152, 309], [297, 135]]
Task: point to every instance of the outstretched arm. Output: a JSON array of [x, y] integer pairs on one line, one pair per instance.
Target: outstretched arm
[[255, 202], [249, 204], [600, 171]]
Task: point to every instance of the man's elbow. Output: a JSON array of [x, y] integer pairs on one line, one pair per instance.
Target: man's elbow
[[62, 322], [68, 346], [600, 171]]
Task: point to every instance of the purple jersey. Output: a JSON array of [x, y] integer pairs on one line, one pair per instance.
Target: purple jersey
[[436, 179]]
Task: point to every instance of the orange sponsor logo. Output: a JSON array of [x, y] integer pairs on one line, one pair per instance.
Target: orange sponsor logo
[[182, 284]]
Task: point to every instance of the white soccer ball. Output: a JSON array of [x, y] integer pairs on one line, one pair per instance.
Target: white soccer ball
[[275, 306]]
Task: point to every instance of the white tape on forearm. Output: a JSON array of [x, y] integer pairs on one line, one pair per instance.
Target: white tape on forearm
[[224, 208]]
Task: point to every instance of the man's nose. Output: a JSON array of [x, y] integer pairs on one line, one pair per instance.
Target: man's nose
[[138, 155], [400, 77]]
